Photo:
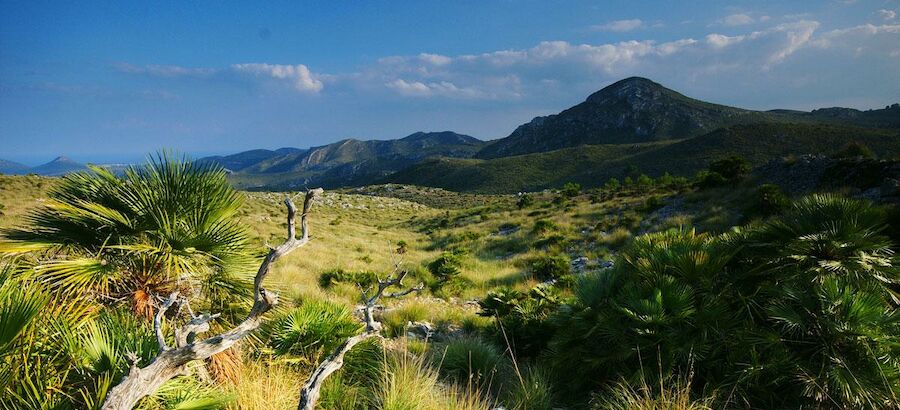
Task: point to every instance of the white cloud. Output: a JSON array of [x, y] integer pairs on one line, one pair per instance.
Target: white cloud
[[558, 69], [435, 59], [441, 88], [739, 19], [619, 26], [410, 88], [887, 14], [298, 76], [721, 41]]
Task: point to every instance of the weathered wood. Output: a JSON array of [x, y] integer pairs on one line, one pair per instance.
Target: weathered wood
[[309, 394], [172, 361]]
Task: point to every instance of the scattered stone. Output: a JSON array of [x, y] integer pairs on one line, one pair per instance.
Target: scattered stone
[[507, 231], [580, 264], [427, 331]]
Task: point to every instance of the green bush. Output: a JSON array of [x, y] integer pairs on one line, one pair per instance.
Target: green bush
[[571, 190], [454, 286], [446, 266], [768, 200], [708, 179], [313, 328], [532, 391], [732, 168], [522, 318], [362, 278], [472, 362], [612, 185], [543, 226], [796, 312], [854, 149], [548, 267], [644, 181], [395, 320], [524, 201]]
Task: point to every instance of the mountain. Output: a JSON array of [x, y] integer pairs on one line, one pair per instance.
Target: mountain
[[13, 168], [592, 165], [352, 161], [631, 123], [59, 166], [241, 160], [636, 110]]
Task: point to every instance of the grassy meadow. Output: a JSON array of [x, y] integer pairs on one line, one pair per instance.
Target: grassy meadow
[[512, 293]]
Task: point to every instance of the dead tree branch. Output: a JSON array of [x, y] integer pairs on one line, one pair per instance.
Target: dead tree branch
[[172, 361], [309, 394]]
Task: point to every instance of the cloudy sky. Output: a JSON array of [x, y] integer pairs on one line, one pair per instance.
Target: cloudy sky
[[112, 81]]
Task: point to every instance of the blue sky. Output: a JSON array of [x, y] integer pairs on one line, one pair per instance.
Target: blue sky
[[113, 81]]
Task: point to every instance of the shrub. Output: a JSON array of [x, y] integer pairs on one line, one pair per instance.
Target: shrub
[[854, 149], [612, 184], [768, 200], [523, 324], [448, 265], [362, 278], [661, 300], [666, 180], [708, 179], [402, 246], [616, 238], [455, 286], [531, 391], [543, 226], [571, 189], [314, 327], [644, 181], [395, 320], [472, 362], [548, 267], [796, 312], [524, 201], [731, 168]]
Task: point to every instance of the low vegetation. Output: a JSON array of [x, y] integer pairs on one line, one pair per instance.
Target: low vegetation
[[627, 292]]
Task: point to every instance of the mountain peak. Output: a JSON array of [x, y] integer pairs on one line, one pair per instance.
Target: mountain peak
[[632, 110], [62, 159], [441, 137], [630, 89]]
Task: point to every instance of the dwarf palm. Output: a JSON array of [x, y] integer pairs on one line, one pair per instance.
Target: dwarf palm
[[830, 330], [166, 225], [660, 309]]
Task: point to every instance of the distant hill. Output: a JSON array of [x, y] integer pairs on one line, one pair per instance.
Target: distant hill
[[59, 166], [242, 160], [13, 168], [637, 110], [353, 162], [592, 165], [634, 122]]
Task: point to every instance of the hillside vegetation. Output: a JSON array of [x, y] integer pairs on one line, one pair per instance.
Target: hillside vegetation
[[651, 293], [592, 165]]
